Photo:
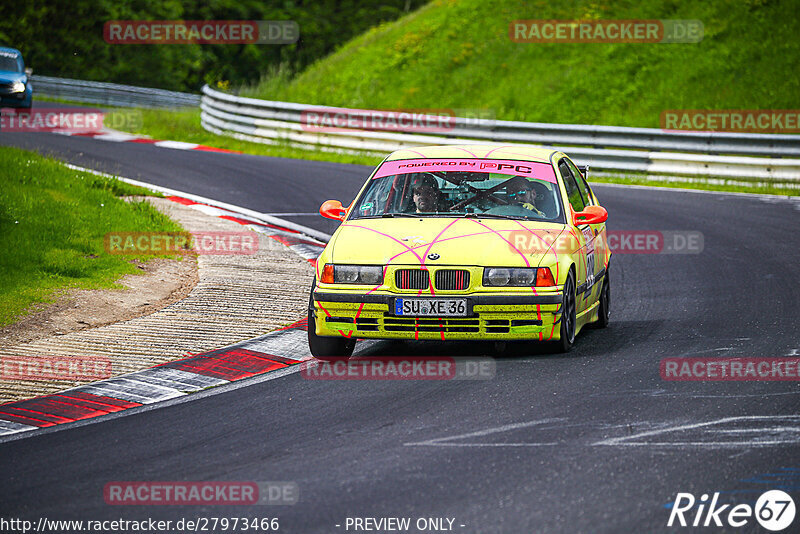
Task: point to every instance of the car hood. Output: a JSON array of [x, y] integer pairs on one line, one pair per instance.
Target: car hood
[[7, 76], [456, 241]]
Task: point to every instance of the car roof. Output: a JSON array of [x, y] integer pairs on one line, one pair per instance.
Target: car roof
[[10, 50], [489, 151]]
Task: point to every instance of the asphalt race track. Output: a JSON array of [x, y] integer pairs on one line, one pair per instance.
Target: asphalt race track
[[592, 441]]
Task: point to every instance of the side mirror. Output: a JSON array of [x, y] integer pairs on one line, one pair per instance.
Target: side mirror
[[590, 215], [332, 209], [28, 71]]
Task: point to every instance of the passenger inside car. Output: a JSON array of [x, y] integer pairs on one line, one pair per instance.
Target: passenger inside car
[[523, 193]]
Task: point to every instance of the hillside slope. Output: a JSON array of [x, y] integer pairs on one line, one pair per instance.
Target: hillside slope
[[458, 55]]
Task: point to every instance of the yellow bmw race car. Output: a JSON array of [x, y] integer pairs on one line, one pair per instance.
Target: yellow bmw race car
[[463, 242]]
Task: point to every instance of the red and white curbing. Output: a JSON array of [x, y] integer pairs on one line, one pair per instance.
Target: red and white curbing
[[305, 247], [268, 353], [122, 137], [265, 354]]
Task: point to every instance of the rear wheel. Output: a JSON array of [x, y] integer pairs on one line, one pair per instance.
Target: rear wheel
[[605, 300], [568, 315], [323, 347]]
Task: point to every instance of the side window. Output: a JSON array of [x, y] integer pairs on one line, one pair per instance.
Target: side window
[[374, 200], [573, 193], [582, 185]]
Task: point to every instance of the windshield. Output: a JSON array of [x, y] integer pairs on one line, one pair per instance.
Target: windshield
[[448, 193], [13, 64]]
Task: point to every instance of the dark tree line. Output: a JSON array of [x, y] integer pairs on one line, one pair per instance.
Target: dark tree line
[[65, 38]]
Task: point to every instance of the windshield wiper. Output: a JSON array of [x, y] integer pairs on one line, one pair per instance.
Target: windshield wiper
[[492, 216], [385, 216]]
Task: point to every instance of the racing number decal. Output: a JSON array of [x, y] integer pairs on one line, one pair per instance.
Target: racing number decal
[[588, 235]]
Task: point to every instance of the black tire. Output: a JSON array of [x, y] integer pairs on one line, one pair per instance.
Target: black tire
[[568, 315], [323, 347], [605, 301]]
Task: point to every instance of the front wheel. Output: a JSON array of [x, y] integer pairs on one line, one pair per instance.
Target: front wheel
[[323, 347], [568, 315]]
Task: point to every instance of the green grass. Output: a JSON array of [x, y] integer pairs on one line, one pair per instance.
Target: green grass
[[184, 125], [458, 55], [52, 223]]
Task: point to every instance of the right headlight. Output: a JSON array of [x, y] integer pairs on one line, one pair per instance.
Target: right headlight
[[358, 274]]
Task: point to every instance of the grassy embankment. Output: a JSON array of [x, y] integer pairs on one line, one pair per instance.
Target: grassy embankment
[[52, 223], [458, 55]]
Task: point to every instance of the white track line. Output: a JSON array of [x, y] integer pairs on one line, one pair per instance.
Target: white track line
[[628, 440], [762, 196], [505, 428]]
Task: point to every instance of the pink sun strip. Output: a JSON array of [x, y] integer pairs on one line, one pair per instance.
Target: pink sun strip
[[528, 169]]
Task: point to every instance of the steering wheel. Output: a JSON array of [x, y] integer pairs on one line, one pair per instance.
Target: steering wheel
[[511, 210]]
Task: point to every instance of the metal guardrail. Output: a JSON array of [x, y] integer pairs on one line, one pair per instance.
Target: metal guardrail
[[111, 94], [773, 157], [612, 148]]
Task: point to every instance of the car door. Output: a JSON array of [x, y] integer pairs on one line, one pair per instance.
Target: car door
[[599, 247], [586, 263]]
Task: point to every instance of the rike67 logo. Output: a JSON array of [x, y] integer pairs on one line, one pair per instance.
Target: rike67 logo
[[774, 510]]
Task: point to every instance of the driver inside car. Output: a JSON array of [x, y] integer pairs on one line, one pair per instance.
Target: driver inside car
[[426, 195]]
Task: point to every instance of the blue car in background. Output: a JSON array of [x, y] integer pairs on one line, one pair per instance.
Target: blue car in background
[[15, 87]]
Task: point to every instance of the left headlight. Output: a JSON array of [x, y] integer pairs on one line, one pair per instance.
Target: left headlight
[[357, 274], [17, 87]]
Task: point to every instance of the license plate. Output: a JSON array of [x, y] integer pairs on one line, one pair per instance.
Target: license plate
[[420, 307]]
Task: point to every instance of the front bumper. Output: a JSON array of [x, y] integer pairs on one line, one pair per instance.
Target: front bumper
[[16, 100], [489, 317]]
